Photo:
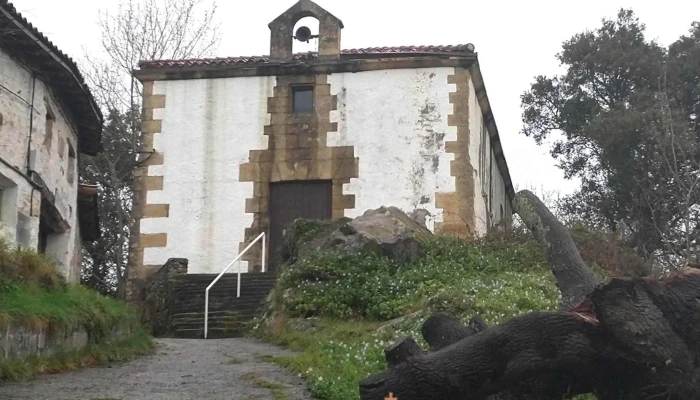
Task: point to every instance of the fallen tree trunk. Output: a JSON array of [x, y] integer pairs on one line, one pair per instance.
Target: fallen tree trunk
[[441, 330], [574, 279], [628, 339]]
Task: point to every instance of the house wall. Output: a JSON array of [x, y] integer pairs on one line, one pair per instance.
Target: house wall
[[405, 134], [48, 156], [488, 181]]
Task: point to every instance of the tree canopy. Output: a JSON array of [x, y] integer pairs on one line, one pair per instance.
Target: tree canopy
[[624, 115]]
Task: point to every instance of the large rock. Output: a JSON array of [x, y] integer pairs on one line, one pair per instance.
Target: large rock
[[386, 230]]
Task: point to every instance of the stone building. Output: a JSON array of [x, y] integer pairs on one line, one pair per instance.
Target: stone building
[[47, 119], [244, 145]]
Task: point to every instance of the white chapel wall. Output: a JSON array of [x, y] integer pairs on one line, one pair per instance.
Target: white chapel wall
[[209, 127], [397, 121]]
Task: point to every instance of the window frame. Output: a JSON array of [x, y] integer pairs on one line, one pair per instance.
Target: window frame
[[293, 103]]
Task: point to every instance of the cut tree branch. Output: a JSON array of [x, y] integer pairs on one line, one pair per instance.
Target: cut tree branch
[[574, 279]]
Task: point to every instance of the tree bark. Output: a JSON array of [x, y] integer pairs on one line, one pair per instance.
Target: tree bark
[[574, 279], [483, 364], [628, 339], [441, 330], [401, 351]]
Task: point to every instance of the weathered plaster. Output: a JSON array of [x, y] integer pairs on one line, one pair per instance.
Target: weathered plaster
[[49, 157], [401, 137], [397, 122], [204, 132]]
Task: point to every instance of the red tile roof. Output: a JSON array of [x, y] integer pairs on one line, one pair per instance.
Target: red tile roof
[[462, 48]]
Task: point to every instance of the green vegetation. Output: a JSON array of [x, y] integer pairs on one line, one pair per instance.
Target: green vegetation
[[277, 389], [140, 342], [353, 297], [34, 294], [63, 308]]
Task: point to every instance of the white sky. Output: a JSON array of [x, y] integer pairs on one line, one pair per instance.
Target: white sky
[[515, 40]]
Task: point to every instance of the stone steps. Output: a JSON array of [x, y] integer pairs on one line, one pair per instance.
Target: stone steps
[[228, 314]]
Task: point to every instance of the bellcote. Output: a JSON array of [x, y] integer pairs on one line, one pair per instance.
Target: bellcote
[[282, 31]]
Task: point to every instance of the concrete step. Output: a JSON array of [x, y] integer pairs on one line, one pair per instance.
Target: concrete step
[[220, 299], [245, 292], [222, 281], [214, 333], [228, 315], [213, 316], [200, 297], [229, 274], [199, 308], [239, 312]]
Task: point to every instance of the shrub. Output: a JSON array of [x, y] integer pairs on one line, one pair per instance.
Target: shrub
[[22, 266], [605, 253], [453, 274], [492, 277], [33, 292]]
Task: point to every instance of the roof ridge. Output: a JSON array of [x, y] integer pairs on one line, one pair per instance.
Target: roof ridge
[[26, 38], [164, 63]]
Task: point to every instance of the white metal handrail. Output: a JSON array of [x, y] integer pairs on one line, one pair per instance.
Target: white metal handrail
[[238, 289]]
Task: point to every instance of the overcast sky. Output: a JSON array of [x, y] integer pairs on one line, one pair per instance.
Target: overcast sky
[[515, 41]]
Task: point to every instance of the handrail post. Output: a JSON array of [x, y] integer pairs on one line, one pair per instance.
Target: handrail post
[[263, 253], [238, 284], [238, 288], [206, 313]]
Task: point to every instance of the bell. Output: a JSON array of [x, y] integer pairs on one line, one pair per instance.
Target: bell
[[303, 34]]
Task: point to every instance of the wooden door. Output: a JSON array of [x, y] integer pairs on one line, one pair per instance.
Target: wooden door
[[296, 199]]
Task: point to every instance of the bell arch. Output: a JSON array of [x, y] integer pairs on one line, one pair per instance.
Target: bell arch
[[282, 31]]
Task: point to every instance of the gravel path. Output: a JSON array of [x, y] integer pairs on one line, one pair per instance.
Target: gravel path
[[219, 369]]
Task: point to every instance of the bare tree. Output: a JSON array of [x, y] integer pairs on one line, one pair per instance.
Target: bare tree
[[145, 30], [677, 199]]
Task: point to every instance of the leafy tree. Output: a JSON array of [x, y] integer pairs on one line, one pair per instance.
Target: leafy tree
[[139, 30], [627, 109]]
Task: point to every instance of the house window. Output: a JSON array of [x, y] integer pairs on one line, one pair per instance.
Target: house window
[[43, 239], [302, 99], [48, 130], [8, 200], [484, 158], [71, 163]]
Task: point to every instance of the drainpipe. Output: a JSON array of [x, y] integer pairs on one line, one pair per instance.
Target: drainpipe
[[31, 124], [29, 145]]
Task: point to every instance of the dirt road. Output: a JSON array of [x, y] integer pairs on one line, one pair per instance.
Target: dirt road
[[179, 369]]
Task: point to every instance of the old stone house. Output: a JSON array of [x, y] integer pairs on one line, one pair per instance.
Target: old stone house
[[244, 145], [47, 119]]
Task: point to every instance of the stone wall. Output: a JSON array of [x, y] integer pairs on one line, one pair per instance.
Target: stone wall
[[20, 341], [44, 141], [157, 295]]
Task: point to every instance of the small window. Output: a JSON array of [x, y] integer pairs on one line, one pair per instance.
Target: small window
[[71, 163], [48, 131], [302, 99]]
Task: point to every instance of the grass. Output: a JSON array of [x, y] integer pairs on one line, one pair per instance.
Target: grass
[[63, 308], [94, 354], [35, 295], [364, 303], [277, 389]]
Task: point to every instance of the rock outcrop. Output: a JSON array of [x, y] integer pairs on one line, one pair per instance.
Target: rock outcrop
[[386, 230]]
